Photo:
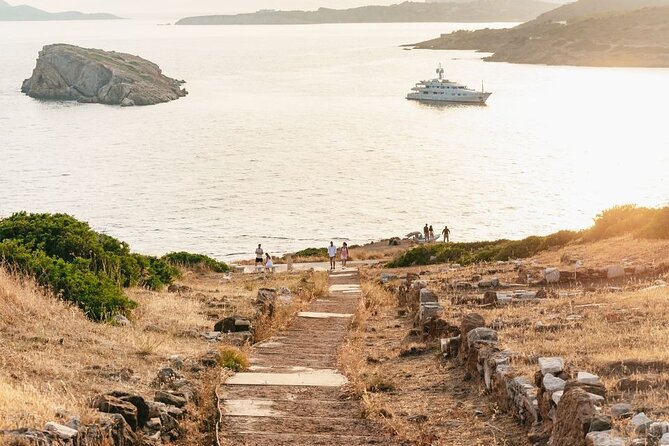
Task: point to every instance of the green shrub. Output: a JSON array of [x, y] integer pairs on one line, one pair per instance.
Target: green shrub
[[79, 264], [312, 252], [233, 358], [189, 260], [73, 281]]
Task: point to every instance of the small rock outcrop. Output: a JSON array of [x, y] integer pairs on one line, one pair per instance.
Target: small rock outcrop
[[68, 72]]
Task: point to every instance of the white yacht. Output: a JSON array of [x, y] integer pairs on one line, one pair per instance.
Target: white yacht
[[443, 90]]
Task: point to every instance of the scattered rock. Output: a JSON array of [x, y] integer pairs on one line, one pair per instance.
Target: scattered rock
[[112, 405], [552, 383], [552, 275], [621, 410], [63, 432], [427, 295], [640, 422], [604, 438], [600, 423], [121, 320], [170, 399], [166, 375]]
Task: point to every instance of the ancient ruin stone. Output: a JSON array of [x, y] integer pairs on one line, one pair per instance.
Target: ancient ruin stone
[[427, 295], [575, 413], [552, 365], [139, 403], [170, 399], [604, 438], [113, 405], [481, 334]]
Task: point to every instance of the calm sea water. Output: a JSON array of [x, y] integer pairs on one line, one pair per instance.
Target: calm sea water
[[295, 135]]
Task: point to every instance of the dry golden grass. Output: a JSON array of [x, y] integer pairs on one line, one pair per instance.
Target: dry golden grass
[[606, 252], [53, 359]]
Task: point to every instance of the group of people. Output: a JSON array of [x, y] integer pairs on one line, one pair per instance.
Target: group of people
[[428, 232], [263, 259], [343, 255]]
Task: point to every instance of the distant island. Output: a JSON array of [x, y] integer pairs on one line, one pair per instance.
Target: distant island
[[615, 33], [9, 13], [473, 11]]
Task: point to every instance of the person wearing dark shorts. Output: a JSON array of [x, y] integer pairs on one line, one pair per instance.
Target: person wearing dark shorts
[[259, 256]]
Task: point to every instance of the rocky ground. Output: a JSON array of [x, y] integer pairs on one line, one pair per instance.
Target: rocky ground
[[71, 73], [589, 317]]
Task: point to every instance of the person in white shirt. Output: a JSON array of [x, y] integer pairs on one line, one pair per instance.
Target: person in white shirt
[[332, 253]]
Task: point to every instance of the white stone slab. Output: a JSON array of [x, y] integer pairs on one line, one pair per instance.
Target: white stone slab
[[336, 288], [269, 344], [343, 274], [251, 408], [317, 378], [317, 315]]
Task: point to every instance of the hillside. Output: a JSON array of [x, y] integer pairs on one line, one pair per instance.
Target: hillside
[[613, 37], [475, 11], [9, 13]]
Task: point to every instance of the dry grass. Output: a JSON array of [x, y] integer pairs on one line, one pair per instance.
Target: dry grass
[[628, 326], [53, 359], [606, 252]]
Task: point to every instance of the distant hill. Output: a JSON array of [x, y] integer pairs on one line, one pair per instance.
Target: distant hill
[[19, 13], [472, 11], [588, 33]]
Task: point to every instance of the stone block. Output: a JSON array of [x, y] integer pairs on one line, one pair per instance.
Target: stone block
[[481, 334], [552, 383], [615, 271], [63, 432], [587, 378], [664, 440], [604, 438], [553, 365], [640, 422], [427, 295], [552, 275], [418, 285], [621, 410]]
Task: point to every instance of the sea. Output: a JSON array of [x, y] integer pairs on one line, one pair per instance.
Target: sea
[[293, 136]]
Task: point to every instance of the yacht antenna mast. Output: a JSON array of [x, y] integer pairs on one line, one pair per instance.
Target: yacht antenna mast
[[440, 72]]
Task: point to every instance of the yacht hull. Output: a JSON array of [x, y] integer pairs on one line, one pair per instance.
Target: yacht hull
[[479, 98]]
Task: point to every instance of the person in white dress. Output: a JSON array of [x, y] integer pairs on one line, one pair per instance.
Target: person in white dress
[[269, 264]]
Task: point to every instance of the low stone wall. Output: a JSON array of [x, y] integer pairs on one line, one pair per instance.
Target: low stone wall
[[560, 406]]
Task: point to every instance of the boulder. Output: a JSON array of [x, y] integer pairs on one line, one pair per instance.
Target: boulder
[[170, 399], [139, 403], [587, 378], [232, 324], [112, 405], [575, 413], [68, 72]]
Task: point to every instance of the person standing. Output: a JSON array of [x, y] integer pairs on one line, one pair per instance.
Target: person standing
[[431, 233], [259, 257], [447, 234], [332, 253], [343, 254], [426, 232], [269, 264]]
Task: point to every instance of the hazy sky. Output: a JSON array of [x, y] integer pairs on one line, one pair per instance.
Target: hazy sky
[[179, 8]]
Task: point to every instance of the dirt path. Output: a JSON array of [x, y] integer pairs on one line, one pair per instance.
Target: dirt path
[[294, 394]]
